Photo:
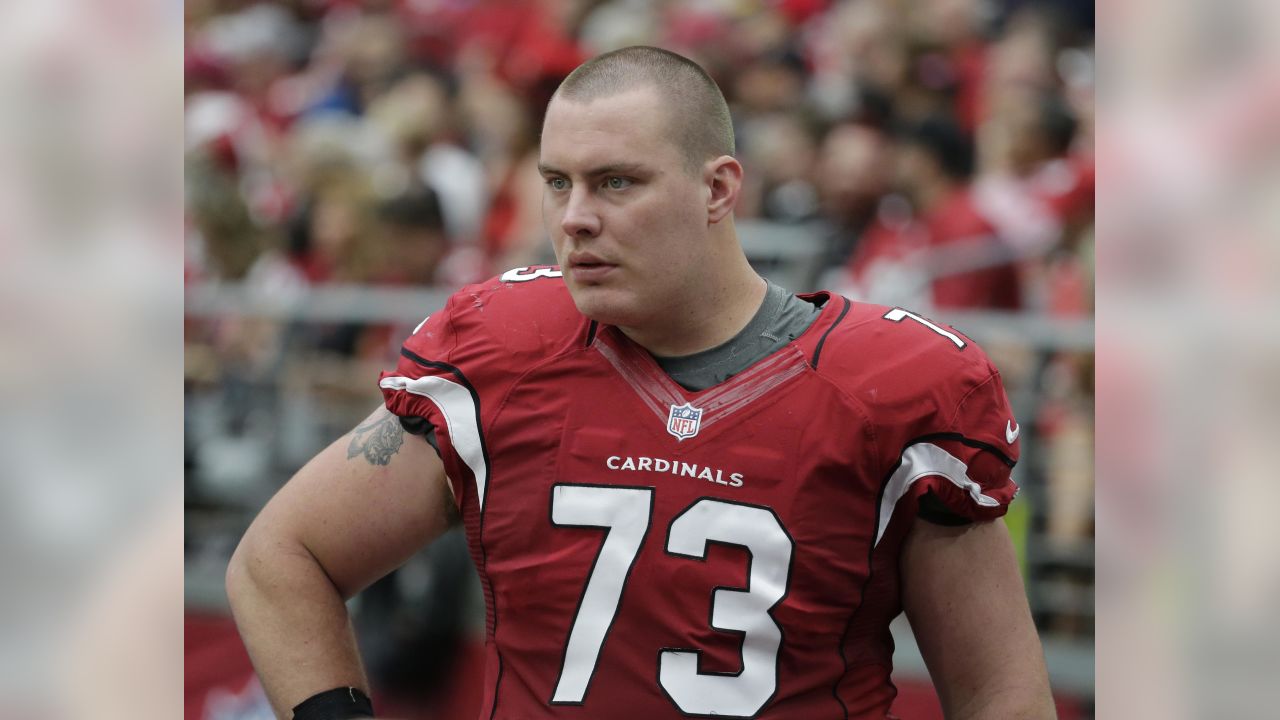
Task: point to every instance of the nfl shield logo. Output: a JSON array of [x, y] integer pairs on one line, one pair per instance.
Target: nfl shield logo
[[684, 421]]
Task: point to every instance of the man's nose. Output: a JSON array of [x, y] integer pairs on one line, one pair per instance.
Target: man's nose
[[580, 217]]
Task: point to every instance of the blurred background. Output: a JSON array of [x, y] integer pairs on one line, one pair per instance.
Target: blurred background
[[351, 163], [92, 219]]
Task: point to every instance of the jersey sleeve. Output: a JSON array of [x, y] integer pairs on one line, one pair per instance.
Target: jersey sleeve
[[964, 473], [448, 373], [457, 368]]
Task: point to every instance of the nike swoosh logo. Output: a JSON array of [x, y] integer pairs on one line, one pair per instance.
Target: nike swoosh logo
[[1011, 431]]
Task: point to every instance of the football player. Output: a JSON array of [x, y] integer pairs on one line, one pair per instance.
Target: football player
[[687, 491]]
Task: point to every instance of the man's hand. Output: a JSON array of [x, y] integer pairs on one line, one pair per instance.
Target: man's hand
[[358, 510], [965, 599]]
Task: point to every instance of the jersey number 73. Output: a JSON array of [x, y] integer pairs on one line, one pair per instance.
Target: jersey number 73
[[626, 515]]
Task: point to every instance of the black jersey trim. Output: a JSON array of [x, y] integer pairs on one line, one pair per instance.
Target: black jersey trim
[[487, 583], [822, 340], [963, 440], [406, 352], [496, 683], [591, 333]]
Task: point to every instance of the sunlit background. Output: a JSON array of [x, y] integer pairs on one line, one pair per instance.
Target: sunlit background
[[410, 127]]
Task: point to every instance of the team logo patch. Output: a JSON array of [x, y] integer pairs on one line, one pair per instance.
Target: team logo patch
[[684, 421]]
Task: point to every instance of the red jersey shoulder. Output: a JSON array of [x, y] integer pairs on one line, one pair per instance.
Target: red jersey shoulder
[[876, 341], [915, 374], [522, 315]]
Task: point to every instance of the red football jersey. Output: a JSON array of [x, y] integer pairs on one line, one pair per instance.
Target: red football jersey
[[647, 551]]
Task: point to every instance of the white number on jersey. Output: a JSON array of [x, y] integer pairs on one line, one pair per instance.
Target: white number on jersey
[[747, 611], [625, 512], [525, 274], [897, 314]]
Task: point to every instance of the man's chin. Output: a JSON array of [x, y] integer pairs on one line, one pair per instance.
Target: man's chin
[[608, 306]]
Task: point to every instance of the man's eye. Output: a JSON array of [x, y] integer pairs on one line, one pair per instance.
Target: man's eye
[[558, 183], [618, 183]]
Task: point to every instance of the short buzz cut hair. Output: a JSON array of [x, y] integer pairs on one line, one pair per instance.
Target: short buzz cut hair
[[698, 113]]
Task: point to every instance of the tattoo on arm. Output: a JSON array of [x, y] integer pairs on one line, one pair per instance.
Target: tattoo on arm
[[377, 440]]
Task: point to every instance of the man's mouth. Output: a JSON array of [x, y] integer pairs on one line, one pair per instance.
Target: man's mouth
[[589, 268]]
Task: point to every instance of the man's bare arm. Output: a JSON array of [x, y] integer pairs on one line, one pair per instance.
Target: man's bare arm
[[965, 599], [358, 510]]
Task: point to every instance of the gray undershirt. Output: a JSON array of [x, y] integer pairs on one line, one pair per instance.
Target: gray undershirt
[[780, 319]]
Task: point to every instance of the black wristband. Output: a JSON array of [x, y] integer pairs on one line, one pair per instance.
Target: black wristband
[[341, 703]]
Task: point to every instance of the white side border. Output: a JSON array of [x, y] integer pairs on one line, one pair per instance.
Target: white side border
[[459, 410]]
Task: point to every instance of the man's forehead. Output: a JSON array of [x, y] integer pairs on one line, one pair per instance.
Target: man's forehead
[[642, 95], [624, 129], [639, 111]]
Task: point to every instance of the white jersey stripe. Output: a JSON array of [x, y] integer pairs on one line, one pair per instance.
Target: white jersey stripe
[[729, 403], [659, 392], [924, 460], [658, 397], [459, 410]]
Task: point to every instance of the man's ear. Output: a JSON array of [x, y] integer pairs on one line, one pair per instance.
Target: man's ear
[[723, 177]]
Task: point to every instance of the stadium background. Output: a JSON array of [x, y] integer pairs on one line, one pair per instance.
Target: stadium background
[[349, 164]]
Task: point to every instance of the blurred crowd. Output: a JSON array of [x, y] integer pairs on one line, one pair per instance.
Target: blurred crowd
[[941, 151], [942, 148]]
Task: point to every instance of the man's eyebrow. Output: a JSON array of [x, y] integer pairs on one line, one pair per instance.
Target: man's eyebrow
[[613, 169], [617, 168]]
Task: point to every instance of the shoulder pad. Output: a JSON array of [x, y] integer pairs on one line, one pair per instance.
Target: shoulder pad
[[526, 312]]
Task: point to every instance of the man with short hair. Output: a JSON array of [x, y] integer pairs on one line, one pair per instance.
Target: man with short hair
[[687, 491]]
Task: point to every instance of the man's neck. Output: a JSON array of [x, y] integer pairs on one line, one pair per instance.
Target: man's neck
[[695, 326]]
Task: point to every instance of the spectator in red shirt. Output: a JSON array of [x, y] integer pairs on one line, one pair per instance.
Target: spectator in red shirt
[[969, 265]]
